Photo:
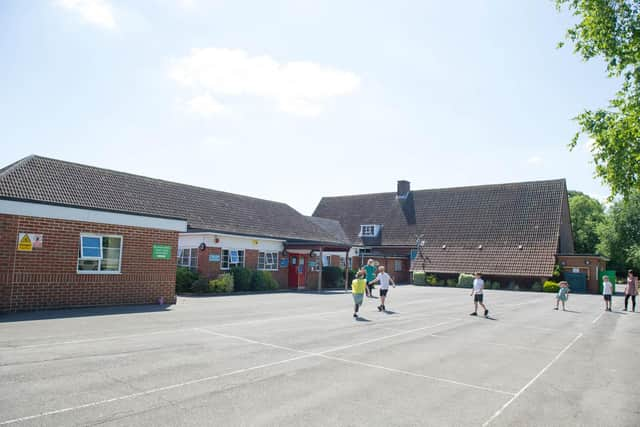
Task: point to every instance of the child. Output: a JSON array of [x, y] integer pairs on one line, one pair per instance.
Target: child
[[370, 270], [358, 286], [384, 279], [607, 291], [563, 294], [631, 291], [476, 293]]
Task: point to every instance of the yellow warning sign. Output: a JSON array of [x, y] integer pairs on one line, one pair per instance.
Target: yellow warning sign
[[24, 242]]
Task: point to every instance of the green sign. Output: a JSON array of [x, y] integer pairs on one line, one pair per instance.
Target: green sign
[[161, 252]]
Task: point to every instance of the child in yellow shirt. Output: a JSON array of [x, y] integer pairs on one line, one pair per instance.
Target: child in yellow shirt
[[358, 286]]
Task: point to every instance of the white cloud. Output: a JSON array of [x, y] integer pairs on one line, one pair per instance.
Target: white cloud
[[205, 106], [534, 160], [96, 12], [301, 88]]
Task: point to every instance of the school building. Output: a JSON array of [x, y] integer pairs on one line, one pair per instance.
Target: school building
[[518, 232], [74, 235]]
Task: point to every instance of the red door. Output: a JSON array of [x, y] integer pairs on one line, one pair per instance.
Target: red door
[[297, 270]]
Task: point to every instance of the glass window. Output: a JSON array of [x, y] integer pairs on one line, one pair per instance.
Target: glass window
[[99, 254], [397, 264], [232, 258], [267, 260], [188, 257], [369, 230]]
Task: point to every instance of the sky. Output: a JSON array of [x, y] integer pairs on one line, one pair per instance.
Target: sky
[[294, 100]]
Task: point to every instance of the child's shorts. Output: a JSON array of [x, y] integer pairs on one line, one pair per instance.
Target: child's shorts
[[477, 297], [561, 297], [358, 298], [607, 297]]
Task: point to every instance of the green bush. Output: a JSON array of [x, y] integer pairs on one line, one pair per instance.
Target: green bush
[[536, 287], [465, 280], [332, 277], [550, 286], [223, 284], [419, 278], [241, 279], [263, 281], [441, 282], [431, 280], [184, 279], [495, 285], [452, 283], [200, 286]]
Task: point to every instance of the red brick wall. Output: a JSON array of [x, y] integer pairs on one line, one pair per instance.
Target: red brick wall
[[389, 264], [47, 277]]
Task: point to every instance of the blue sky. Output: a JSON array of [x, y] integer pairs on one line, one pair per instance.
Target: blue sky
[[295, 100]]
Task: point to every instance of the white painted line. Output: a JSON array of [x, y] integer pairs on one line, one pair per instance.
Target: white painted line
[[523, 389], [594, 321], [151, 391]]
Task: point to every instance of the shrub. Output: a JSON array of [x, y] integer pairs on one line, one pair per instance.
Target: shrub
[[451, 282], [332, 277], [536, 287], [184, 279], [465, 280], [223, 284], [263, 281], [200, 286], [419, 278], [495, 285], [441, 282], [241, 279], [550, 286], [431, 280]]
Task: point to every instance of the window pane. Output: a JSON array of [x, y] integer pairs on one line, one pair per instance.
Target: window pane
[[233, 257], [111, 242], [110, 265], [90, 247], [87, 265]]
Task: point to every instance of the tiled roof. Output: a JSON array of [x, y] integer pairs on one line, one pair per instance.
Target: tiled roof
[[44, 180], [499, 217], [331, 226]]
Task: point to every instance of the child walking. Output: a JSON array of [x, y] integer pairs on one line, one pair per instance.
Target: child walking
[[358, 285], [607, 291], [370, 270], [477, 294], [384, 279], [631, 291], [563, 295]]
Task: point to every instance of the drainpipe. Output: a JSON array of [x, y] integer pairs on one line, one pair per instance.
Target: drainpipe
[[346, 270], [320, 272]]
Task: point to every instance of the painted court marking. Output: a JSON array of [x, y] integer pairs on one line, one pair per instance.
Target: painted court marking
[[527, 385], [594, 321]]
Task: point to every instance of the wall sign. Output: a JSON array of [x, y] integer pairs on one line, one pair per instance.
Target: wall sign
[[312, 264], [161, 252], [214, 258], [26, 242], [284, 262]]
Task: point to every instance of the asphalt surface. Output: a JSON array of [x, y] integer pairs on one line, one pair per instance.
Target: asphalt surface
[[300, 359]]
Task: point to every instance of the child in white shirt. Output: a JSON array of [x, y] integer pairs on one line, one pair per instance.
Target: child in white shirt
[[384, 279], [607, 291], [476, 293]]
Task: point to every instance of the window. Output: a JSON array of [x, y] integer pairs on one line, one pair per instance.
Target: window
[[99, 254], [370, 230], [188, 258], [268, 261], [397, 265], [326, 260], [232, 258]]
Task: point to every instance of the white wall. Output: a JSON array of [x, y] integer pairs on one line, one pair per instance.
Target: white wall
[[193, 240]]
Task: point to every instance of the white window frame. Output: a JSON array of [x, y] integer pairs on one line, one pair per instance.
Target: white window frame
[[369, 230], [396, 263], [98, 271], [222, 262], [191, 250], [264, 254]]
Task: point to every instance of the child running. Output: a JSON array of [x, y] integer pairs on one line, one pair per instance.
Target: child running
[[563, 294], [370, 270], [383, 278], [476, 293], [607, 291], [358, 285]]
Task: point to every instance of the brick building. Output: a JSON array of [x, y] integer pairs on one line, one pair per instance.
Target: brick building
[[506, 231], [75, 235]]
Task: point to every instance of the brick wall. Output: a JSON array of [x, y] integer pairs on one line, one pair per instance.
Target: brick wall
[[388, 261], [47, 277]]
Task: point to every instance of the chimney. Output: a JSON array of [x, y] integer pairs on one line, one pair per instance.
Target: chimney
[[404, 187]]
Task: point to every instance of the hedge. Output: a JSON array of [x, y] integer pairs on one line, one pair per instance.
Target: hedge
[[419, 278], [465, 280], [223, 284], [184, 279]]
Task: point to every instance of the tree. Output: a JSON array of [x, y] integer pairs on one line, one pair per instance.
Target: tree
[[610, 29], [587, 215], [620, 234]]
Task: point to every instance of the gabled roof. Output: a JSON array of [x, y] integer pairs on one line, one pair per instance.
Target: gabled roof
[[499, 217], [330, 226], [43, 180]]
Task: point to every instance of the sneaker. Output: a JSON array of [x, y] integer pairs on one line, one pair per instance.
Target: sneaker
[[556, 308], [355, 315], [625, 309], [379, 308], [473, 314], [486, 313]]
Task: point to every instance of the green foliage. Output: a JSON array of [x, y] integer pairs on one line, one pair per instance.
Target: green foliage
[[184, 279], [419, 278], [223, 284], [620, 234], [537, 287], [263, 281], [610, 29], [200, 286], [332, 277], [452, 283], [495, 285], [587, 214], [465, 280], [241, 279], [550, 286], [431, 280]]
